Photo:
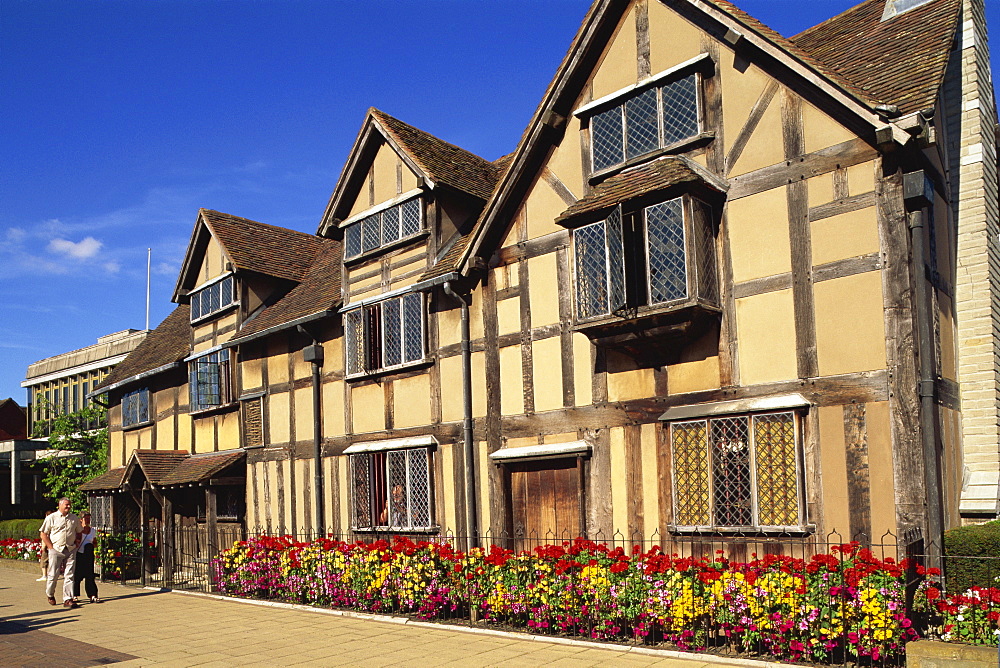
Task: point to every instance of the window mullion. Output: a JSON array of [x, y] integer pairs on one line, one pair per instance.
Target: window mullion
[[710, 457], [754, 496]]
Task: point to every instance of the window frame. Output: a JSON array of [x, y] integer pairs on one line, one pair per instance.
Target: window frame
[[223, 380], [373, 337], [755, 526], [135, 399], [620, 101], [383, 242], [700, 245], [376, 507], [216, 284]]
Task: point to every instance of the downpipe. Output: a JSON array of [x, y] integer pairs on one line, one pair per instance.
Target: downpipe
[[313, 354], [471, 518]]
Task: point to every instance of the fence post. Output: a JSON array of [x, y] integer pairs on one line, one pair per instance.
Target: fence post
[[212, 526]]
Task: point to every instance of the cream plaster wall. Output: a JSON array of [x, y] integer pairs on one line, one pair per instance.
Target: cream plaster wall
[[547, 374], [411, 399], [758, 235], [278, 418], [844, 236], [618, 65], [765, 325], [543, 290], [850, 335], [368, 408]]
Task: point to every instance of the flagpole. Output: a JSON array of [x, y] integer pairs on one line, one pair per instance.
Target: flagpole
[[149, 254]]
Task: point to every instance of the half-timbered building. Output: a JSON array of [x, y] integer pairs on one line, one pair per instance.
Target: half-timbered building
[[726, 283]]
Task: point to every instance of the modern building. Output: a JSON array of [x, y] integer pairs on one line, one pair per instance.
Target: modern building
[[61, 384], [713, 291]]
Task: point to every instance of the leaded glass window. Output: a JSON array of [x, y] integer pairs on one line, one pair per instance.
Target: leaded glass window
[[643, 258], [135, 408], [209, 380], [213, 298], [645, 121], [737, 472], [392, 489], [600, 267], [383, 228], [384, 335], [666, 251]]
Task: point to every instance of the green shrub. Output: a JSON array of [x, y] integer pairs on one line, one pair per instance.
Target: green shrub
[[980, 543], [20, 528]]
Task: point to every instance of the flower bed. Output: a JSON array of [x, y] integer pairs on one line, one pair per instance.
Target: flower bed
[[972, 616], [21, 549], [844, 605], [120, 554]]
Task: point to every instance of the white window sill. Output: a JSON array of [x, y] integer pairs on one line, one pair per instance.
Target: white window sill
[[391, 369]]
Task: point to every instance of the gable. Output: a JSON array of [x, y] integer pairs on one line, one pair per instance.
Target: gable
[[386, 176], [622, 44], [213, 262]]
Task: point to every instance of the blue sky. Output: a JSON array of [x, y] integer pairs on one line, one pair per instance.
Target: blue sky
[[121, 118]]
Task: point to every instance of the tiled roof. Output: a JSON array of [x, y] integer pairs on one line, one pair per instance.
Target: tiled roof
[[265, 249], [167, 343], [440, 161], [158, 464], [111, 480], [196, 468], [643, 180], [900, 61], [318, 291], [449, 261], [793, 48]]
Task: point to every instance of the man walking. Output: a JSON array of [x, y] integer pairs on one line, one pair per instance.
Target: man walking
[[60, 535]]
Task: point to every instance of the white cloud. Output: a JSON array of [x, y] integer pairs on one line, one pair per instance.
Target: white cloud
[[16, 235], [80, 250], [112, 267]]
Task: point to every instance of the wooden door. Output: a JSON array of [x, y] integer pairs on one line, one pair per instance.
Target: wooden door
[[545, 502]]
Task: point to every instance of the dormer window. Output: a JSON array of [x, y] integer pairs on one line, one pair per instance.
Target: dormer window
[[382, 228], [213, 298]]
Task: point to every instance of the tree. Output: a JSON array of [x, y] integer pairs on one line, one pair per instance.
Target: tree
[[84, 432]]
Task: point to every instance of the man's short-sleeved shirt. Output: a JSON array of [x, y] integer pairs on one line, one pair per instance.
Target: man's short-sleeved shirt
[[62, 529]]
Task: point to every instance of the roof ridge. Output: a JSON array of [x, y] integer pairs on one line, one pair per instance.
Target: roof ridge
[[257, 222], [379, 113]]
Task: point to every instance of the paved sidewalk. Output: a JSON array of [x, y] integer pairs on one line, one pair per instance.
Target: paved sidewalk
[[136, 627]]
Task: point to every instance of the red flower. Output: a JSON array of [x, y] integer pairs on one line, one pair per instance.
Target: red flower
[[933, 593]]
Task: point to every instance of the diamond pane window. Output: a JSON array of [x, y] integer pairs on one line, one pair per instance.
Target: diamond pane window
[[354, 333], [680, 109], [382, 229], [371, 233], [213, 298], [390, 225], [392, 333], [413, 327], [352, 240], [410, 215], [135, 408], [392, 489], [384, 335], [591, 270], [737, 472], [642, 133], [209, 380], [642, 258], [606, 138], [645, 121], [666, 251]]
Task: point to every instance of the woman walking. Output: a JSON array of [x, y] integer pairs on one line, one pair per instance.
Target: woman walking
[[85, 561]]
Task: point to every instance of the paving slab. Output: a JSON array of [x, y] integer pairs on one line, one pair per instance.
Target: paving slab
[[136, 627]]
